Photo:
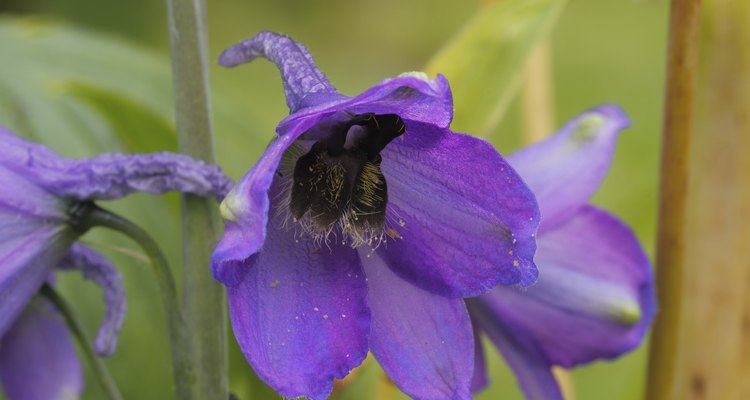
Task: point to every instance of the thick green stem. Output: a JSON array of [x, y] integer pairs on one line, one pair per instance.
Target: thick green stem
[[203, 298], [184, 375], [682, 65], [76, 328]]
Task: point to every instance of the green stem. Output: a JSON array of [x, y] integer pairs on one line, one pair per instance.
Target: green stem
[[76, 328], [183, 373], [204, 300]]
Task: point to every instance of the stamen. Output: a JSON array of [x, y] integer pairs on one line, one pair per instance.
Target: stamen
[[337, 186]]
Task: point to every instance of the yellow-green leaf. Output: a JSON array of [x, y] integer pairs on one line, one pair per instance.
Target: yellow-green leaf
[[484, 60]]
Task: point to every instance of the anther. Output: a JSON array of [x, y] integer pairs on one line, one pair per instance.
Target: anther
[[339, 181]]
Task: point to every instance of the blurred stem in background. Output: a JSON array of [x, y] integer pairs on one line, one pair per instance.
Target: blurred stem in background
[[75, 327], [682, 61], [537, 95], [203, 303], [711, 358], [538, 118]]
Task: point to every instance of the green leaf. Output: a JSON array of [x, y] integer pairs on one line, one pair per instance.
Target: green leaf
[[79, 92], [137, 127], [484, 61]]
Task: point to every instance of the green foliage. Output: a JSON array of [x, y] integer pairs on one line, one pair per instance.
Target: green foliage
[[134, 124], [80, 92], [484, 61]]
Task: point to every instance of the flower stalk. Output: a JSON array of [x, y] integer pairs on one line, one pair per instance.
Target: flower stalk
[[101, 372], [203, 301], [184, 374], [682, 65]]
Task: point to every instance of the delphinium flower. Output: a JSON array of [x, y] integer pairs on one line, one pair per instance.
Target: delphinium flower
[[37, 358], [363, 227], [594, 297], [44, 202]]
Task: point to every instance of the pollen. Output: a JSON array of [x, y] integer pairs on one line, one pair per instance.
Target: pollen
[[515, 263], [393, 234], [275, 283]]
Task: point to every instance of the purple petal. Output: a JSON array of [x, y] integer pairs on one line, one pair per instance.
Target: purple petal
[[300, 315], [28, 253], [37, 358], [245, 210], [413, 96], [22, 198], [423, 341], [309, 93], [97, 268], [299, 74], [33, 234], [567, 168], [520, 350], [465, 220], [595, 295], [111, 175], [481, 379]]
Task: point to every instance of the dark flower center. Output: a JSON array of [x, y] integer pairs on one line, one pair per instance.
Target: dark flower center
[[339, 181]]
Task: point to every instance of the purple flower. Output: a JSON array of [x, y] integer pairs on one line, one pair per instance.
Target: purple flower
[[362, 227], [595, 296], [37, 358], [42, 196]]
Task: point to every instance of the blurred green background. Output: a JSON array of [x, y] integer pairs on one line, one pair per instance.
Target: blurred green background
[[85, 76]]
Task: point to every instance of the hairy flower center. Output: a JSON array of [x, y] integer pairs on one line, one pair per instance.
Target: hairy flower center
[[338, 183]]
